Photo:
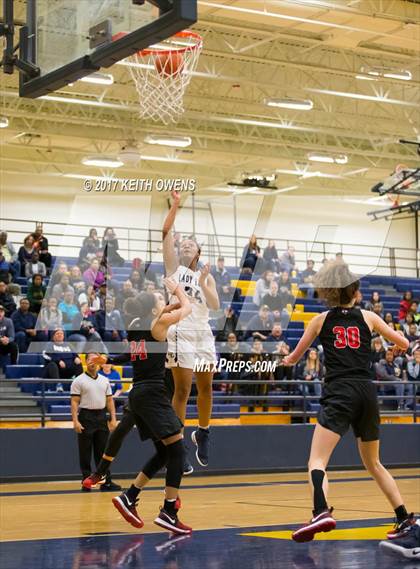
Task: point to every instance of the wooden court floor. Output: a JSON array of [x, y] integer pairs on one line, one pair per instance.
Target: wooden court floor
[[257, 505]]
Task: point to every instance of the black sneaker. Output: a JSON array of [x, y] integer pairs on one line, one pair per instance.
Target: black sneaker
[[110, 487], [200, 438], [407, 546], [188, 467], [128, 510], [401, 528], [171, 522]]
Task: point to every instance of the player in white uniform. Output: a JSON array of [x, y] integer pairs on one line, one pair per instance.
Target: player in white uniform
[[191, 339]]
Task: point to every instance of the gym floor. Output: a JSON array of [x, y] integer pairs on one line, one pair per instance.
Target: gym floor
[[240, 522]]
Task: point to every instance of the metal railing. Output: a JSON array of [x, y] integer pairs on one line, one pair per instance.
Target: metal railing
[[266, 399], [146, 243]]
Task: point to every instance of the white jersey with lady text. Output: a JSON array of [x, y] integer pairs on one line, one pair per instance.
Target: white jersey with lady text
[[189, 281]]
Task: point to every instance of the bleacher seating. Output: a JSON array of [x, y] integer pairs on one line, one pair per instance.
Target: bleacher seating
[[390, 289]]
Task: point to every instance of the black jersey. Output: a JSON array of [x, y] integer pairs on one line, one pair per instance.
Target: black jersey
[[146, 355], [346, 339]]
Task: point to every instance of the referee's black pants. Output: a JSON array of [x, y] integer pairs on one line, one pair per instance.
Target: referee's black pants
[[93, 437]]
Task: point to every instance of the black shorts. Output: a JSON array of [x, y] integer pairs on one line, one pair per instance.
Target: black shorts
[[350, 402], [154, 415]]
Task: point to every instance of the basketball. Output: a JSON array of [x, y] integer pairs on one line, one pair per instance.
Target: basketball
[[169, 64]]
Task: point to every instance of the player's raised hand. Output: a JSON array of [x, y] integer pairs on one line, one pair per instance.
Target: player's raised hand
[[170, 284], [176, 197], [288, 360], [205, 271]]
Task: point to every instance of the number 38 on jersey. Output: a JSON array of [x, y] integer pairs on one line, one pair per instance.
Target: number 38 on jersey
[[346, 337]]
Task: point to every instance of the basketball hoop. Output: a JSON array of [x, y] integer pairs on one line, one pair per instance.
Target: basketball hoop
[[162, 73]]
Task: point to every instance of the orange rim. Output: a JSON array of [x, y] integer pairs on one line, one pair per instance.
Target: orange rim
[[176, 49]]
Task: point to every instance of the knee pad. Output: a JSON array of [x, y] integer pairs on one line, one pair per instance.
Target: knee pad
[[175, 464]]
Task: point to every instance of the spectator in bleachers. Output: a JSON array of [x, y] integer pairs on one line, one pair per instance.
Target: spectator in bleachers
[[257, 353], [226, 324], [93, 275], [87, 253], [126, 291], [232, 350], [222, 279], [306, 279], [260, 324], [25, 253], [114, 379], [277, 301], [60, 361], [6, 274], [378, 309], [36, 293], [282, 372], [149, 287], [60, 289], [413, 334], [137, 280], [7, 339], [378, 350], [25, 327], [288, 260], [110, 248], [405, 305], [271, 257], [375, 298], [414, 310], [102, 294], [274, 338], [310, 370], [41, 246], [6, 299], [284, 281], [391, 369], [90, 297], [413, 368], [388, 318], [68, 309], [15, 290], [58, 272], [251, 255], [50, 316], [10, 255], [262, 287], [35, 267], [409, 319], [109, 323], [83, 330], [93, 235], [76, 276]]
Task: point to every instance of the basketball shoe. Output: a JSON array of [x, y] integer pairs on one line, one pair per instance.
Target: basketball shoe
[[128, 510], [322, 522]]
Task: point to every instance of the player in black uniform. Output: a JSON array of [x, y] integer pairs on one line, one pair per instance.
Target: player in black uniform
[[149, 403], [349, 396]]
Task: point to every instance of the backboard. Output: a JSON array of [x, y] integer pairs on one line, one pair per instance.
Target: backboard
[[69, 39]]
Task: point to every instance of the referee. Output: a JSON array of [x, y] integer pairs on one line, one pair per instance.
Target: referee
[[91, 397]]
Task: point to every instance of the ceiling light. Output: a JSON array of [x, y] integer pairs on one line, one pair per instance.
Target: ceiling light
[[366, 78], [388, 73], [129, 154], [327, 159], [361, 97], [99, 78], [298, 104], [102, 161], [4, 122], [175, 141]]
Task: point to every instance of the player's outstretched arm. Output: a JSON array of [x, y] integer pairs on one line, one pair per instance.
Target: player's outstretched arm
[[311, 332], [208, 286], [170, 258], [168, 317], [380, 326]]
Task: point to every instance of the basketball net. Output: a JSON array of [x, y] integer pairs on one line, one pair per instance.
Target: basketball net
[[162, 74]]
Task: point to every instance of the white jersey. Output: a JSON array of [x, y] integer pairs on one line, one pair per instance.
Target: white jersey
[[199, 317]]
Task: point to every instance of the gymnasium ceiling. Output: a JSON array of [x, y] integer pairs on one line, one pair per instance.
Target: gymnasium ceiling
[[306, 49]]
